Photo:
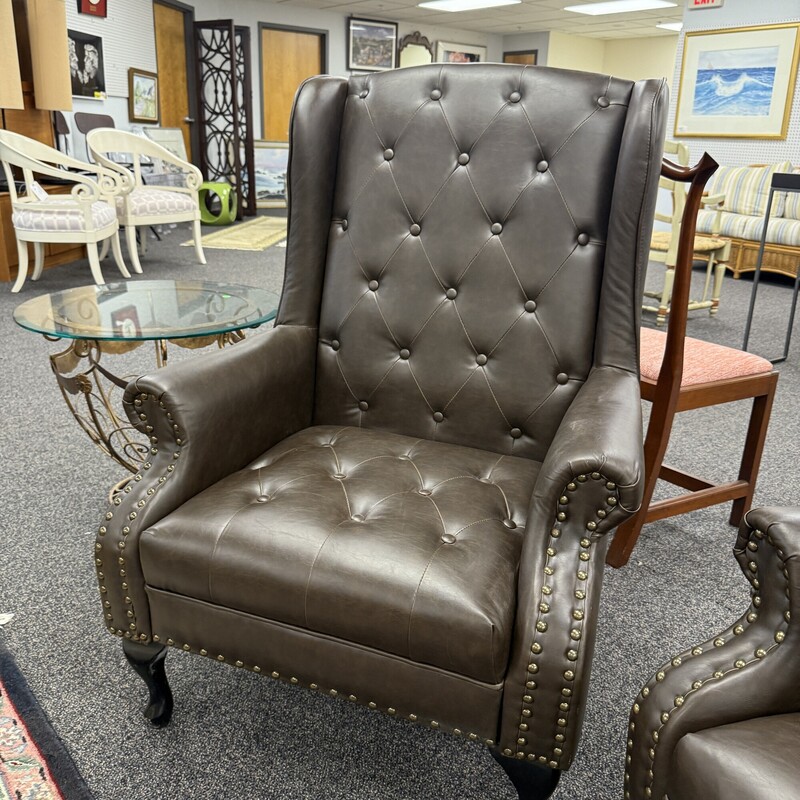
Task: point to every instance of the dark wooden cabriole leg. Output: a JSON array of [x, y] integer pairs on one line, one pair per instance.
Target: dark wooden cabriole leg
[[147, 661], [532, 781]]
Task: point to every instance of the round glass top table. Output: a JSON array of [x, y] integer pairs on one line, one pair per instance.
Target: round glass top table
[[118, 317], [147, 310]]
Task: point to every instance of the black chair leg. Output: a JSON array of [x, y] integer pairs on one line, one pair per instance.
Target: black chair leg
[[532, 781], [147, 661]]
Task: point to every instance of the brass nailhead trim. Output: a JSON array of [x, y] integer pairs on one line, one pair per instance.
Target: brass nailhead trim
[[718, 674]]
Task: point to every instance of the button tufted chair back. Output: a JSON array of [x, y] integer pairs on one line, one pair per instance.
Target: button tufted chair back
[[467, 248]]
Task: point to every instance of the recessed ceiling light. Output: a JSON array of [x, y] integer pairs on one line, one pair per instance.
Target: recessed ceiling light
[[619, 7], [466, 5], [670, 26]]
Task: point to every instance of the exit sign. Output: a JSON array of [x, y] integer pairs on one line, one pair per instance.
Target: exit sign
[[693, 5]]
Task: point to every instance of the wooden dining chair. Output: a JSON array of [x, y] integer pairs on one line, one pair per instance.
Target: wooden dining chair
[[679, 373]]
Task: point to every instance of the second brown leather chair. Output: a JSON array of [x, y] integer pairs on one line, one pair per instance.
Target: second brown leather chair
[[402, 495], [721, 721]]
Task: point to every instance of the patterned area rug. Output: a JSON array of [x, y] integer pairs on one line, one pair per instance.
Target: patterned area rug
[[34, 764], [257, 234]]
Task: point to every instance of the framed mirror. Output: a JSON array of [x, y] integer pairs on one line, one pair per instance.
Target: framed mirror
[[415, 49]]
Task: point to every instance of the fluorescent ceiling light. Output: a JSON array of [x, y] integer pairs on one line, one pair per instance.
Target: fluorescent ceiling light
[[619, 7], [670, 26], [466, 5]]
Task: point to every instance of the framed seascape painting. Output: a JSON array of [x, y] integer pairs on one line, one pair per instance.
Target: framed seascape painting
[[142, 96], [371, 45], [271, 167], [459, 53], [738, 82], [86, 67]]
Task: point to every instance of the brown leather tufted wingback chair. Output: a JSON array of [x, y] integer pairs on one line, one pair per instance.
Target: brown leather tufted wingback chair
[[403, 493], [721, 721]]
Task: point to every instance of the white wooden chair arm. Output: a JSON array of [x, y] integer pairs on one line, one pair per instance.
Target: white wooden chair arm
[[713, 200]]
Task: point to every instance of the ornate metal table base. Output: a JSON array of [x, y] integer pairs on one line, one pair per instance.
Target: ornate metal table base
[[89, 390]]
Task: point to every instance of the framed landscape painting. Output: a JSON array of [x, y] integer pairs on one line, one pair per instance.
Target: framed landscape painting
[[371, 45], [459, 53], [142, 96], [738, 82], [271, 168]]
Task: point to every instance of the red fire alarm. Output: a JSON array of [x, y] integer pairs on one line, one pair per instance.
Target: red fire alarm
[[97, 8]]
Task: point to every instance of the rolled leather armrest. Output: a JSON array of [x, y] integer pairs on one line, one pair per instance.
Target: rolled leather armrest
[[590, 481], [206, 417], [600, 433], [749, 670]]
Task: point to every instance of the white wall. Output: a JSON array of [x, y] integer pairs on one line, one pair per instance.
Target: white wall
[[575, 52], [651, 57], [128, 41], [251, 12], [735, 151]]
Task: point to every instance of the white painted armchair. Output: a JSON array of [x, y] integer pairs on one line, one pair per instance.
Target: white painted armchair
[[86, 215], [145, 205]]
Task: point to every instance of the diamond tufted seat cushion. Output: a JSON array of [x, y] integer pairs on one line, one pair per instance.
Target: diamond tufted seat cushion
[[426, 537]]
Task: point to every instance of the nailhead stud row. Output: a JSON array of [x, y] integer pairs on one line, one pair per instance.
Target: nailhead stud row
[[131, 631], [390, 710], [718, 642], [576, 633]]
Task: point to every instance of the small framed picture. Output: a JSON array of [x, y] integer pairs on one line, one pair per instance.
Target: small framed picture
[[96, 8], [142, 96], [125, 322], [371, 45], [449, 52], [271, 161]]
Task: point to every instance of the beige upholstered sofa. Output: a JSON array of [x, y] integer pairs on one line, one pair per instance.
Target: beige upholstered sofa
[[746, 191]]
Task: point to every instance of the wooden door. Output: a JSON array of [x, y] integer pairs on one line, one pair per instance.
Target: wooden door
[[528, 57], [173, 86], [288, 57]]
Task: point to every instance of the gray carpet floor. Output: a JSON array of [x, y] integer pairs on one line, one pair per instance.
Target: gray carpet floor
[[237, 735]]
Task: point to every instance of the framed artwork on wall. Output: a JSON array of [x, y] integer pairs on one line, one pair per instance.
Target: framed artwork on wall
[[271, 167], [142, 96], [459, 53], [371, 45], [738, 82], [97, 8], [86, 68]]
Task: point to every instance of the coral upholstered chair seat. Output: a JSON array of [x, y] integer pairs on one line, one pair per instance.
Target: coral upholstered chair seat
[[402, 494], [703, 362]]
